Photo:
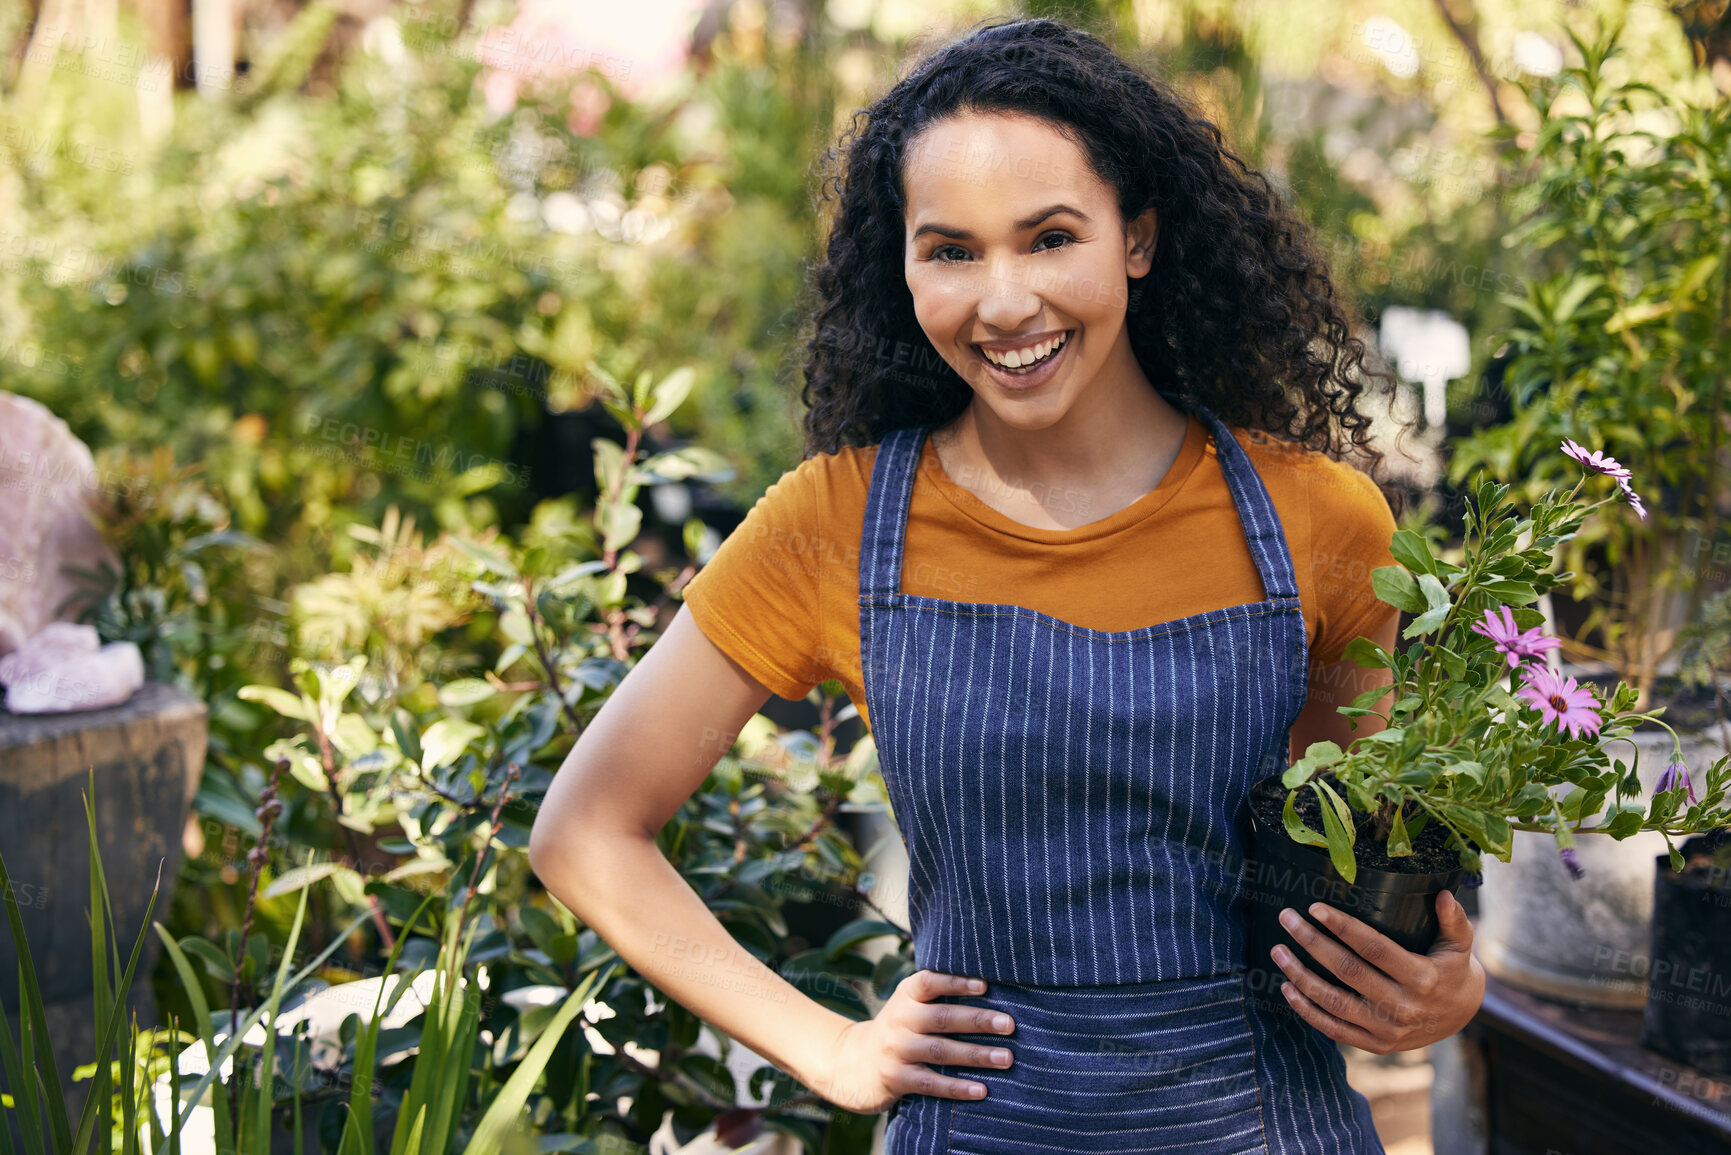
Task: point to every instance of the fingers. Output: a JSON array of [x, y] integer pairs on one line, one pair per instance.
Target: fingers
[[1363, 971], [1382, 953], [920, 1080], [953, 1019], [926, 985], [1457, 929], [1319, 992], [1330, 1025], [922, 1023]]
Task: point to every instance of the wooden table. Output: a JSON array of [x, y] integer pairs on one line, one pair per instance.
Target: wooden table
[[1552, 1078]]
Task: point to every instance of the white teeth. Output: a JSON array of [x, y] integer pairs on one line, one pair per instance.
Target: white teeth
[[1017, 358]]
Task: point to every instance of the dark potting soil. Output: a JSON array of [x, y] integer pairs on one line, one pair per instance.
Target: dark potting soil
[[1431, 853]]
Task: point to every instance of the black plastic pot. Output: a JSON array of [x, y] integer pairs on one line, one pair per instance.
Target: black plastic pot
[[1281, 873], [1688, 1014]]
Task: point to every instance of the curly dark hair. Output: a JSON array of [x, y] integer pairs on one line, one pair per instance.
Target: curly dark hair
[[1239, 311]]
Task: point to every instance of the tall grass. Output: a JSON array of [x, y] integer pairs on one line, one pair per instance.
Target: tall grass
[[428, 1114]]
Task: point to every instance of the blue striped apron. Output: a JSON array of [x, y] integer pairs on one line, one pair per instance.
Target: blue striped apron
[[1073, 804]]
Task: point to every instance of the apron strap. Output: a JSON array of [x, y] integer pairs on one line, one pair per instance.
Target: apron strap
[[886, 512], [1255, 510]]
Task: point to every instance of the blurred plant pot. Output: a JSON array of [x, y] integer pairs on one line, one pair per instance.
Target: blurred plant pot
[[146, 756], [1282, 873], [1688, 1009], [1583, 940]]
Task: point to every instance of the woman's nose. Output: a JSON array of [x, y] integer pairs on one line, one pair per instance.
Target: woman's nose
[[1007, 301]]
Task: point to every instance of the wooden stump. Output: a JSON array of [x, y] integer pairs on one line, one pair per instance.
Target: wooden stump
[[147, 755]]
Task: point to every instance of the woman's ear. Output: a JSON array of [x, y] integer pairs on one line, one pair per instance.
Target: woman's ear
[[1140, 237]]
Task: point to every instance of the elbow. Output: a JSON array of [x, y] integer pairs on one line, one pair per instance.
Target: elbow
[[544, 849]]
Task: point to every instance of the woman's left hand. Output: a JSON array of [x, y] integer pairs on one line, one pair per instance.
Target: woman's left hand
[[1405, 1000]]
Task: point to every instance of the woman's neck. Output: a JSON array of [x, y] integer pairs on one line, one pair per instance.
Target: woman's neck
[[1113, 453]]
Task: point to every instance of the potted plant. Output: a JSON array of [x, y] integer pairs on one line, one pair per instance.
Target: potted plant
[[1687, 1014], [1622, 325], [1688, 1010], [1465, 760]]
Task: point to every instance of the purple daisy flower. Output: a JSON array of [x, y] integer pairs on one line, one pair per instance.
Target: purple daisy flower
[[1676, 774], [1572, 861], [1570, 706], [1594, 460], [1634, 499], [1510, 640]]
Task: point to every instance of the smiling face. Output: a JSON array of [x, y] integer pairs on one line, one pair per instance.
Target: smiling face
[[1018, 261]]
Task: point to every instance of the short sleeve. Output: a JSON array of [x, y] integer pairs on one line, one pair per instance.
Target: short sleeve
[[756, 598], [1351, 527]]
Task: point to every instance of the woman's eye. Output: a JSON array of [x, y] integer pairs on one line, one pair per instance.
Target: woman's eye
[[1040, 245], [1066, 237], [938, 253]]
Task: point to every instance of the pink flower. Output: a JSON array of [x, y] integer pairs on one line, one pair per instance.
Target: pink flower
[[1570, 706], [1676, 776], [1510, 640], [1595, 460], [1629, 492]]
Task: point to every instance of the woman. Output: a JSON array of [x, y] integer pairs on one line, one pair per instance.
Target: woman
[[1073, 376]]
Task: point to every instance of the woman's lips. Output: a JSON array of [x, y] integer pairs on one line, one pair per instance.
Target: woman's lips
[[1029, 378]]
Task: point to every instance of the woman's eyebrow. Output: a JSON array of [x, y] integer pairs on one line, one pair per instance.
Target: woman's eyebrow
[[1020, 226]]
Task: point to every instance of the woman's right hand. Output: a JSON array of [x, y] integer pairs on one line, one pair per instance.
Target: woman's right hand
[[876, 1061]]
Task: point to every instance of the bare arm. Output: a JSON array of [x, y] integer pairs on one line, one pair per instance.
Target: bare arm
[[1335, 685], [593, 846]]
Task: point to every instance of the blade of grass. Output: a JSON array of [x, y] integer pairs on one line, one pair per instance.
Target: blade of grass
[[129, 1092], [507, 1106], [33, 1025], [232, 1042], [267, 1056], [438, 1024], [206, 1034], [297, 1094], [104, 1000], [23, 1100], [105, 1045], [360, 1105], [459, 1055]]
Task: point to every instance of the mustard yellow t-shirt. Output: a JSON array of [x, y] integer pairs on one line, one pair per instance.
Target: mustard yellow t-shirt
[[781, 594]]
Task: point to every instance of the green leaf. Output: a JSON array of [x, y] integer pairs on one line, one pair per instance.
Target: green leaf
[[1295, 827], [1418, 776], [287, 704], [1399, 841], [1437, 601], [445, 740], [1367, 653], [618, 522], [1337, 829], [465, 692], [1323, 753], [1515, 593], [1412, 551], [495, 562], [669, 394], [681, 464], [508, 1105], [859, 930], [303, 876], [1396, 587]]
